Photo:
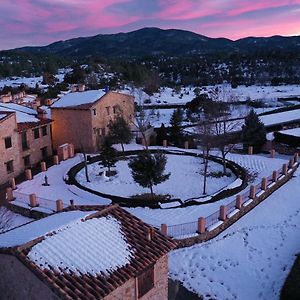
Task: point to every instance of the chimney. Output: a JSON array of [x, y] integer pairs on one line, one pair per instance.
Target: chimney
[[42, 114], [81, 87]]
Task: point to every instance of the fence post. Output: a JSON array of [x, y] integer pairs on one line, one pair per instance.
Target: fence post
[[55, 160], [164, 229], [264, 184], [165, 143], [32, 200], [9, 194], [252, 193], [223, 213], [250, 150], [186, 145], [291, 162], [43, 166], [272, 153], [238, 201], [284, 169], [28, 174], [274, 176], [13, 183], [201, 225], [72, 203], [59, 205]]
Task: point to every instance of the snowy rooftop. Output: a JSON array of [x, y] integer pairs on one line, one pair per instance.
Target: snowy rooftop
[[94, 238], [2, 116], [78, 98], [23, 114], [281, 117], [33, 230], [293, 132], [100, 248]]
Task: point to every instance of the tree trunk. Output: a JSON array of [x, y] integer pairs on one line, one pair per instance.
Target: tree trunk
[[205, 173], [151, 189], [86, 168], [122, 145], [224, 161]]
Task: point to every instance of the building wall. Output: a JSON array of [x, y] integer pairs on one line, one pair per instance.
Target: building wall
[[35, 145], [128, 291], [19, 283], [72, 126], [8, 128], [112, 104], [85, 128]]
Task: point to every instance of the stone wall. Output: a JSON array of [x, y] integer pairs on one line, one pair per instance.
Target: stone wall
[[18, 282], [72, 126], [85, 128], [8, 128], [129, 290], [35, 145]]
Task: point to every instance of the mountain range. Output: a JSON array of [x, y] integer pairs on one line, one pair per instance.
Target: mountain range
[[155, 41]]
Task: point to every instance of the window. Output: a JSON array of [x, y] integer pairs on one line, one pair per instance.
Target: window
[[8, 142], [24, 141], [108, 110], [44, 152], [36, 133], [26, 161], [44, 130], [146, 282], [9, 166], [94, 112]]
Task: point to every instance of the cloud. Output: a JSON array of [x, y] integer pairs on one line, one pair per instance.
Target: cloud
[[37, 22]]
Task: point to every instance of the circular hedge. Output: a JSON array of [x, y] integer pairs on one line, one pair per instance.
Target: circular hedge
[[237, 170]]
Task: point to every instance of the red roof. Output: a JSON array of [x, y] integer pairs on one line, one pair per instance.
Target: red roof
[[28, 125], [86, 286]]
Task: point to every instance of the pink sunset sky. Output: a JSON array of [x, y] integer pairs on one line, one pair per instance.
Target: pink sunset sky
[[40, 22]]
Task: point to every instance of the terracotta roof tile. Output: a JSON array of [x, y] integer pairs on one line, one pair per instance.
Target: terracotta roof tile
[[87, 286]]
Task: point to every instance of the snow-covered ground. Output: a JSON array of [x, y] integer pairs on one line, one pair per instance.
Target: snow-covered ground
[[186, 179], [268, 94], [9, 219], [251, 259], [258, 166], [58, 189]]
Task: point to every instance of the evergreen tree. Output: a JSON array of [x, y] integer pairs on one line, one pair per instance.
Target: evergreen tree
[[148, 169], [161, 134], [108, 154], [253, 132], [175, 130], [119, 131]]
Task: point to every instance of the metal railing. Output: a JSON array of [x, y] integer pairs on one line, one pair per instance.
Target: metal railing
[[190, 228]]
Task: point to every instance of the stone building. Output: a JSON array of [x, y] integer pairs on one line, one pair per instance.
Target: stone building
[[81, 118], [97, 253], [25, 140]]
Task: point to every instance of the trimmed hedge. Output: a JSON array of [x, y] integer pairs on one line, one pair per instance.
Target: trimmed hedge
[[237, 170]]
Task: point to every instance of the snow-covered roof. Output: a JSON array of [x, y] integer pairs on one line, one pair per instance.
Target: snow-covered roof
[[78, 98], [105, 250], [293, 132], [2, 116], [39, 228], [23, 114], [281, 117], [94, 238]]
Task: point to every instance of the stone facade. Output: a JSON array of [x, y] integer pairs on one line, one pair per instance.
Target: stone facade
[[18, 282], [8, 128], [86, 127], [129, 290], [15, 156]]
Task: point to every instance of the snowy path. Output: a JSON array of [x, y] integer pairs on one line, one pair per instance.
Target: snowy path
[[251, 259]]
